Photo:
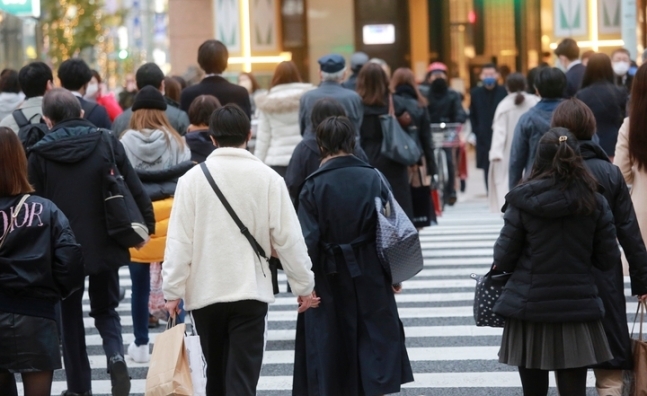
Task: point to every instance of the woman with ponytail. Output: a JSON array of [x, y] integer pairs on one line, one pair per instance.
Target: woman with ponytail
[[557, 229], [506, 117]]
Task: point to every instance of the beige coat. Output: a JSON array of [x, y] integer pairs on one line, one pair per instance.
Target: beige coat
[[505, 120], [634, 177]]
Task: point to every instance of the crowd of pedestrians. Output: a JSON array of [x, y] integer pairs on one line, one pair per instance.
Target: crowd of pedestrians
[[214, 217]]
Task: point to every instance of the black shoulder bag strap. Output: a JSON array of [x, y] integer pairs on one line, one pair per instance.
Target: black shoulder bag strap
[[20, 118], [260, 252]]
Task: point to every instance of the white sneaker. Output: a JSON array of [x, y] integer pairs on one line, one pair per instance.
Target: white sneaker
[[139, 354]]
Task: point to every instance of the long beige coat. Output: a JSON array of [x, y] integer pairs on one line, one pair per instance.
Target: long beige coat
[[634, 177], [505, 120]]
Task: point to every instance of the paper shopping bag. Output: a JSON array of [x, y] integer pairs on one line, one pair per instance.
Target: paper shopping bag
[[169, 373]]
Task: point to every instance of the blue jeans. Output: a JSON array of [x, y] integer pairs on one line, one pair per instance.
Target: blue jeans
[[141, 289]]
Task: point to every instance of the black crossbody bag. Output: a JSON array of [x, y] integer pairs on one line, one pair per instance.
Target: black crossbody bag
[[274, 263]]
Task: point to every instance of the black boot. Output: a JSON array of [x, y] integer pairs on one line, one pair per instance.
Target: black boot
[[119, 377]]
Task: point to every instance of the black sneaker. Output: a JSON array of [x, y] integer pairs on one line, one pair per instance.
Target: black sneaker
[[119, 377]]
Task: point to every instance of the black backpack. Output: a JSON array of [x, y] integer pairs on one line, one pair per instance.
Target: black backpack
[[29, 133]]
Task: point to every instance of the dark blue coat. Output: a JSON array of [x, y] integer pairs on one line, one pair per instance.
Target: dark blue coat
[[482, 108], [353, 344], [608, 103], [574, 77], [530, 128]]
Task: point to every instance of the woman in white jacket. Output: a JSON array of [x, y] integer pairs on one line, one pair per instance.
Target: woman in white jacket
[[278, 129], [505, 120]]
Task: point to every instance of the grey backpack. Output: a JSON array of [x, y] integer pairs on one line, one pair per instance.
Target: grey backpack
[[398, 241]]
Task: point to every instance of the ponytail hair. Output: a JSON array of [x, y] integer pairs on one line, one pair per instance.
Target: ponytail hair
[[558, 159], [516, 82]]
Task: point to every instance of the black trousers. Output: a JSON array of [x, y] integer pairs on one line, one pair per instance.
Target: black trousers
[[103, 290], [232, 336]]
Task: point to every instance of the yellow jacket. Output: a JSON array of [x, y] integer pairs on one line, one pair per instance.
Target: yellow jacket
[[153, 252]]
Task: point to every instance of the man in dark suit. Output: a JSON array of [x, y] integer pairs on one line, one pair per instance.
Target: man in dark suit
[[75, 75], [212, 58], [485, 100], [568, 53]]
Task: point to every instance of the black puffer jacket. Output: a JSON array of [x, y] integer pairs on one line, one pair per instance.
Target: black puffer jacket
[[160, 185], [68, 166], [40, 261], [611, 283], [551, 252]]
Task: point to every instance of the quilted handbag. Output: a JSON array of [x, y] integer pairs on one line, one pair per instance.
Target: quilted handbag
[[488, 290], [398, 242]]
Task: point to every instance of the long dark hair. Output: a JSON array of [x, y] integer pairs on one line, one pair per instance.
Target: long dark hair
[[638, 118], [516, 82], [558, 160], [598, 69], [373, 85]]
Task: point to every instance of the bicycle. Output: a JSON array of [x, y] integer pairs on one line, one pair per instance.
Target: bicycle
[[445, 136]]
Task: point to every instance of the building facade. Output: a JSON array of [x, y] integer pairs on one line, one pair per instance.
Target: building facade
[[465, 34]]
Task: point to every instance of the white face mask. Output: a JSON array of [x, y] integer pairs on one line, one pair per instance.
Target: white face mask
[[620, 68], [91, 91]]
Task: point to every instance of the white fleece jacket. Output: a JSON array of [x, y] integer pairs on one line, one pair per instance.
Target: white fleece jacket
[[207, 259], [278, 123]]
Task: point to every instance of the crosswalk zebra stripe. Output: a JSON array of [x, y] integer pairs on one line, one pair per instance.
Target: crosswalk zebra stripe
[[448, 353]]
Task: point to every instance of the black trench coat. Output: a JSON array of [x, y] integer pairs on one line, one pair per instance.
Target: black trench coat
[[610, 283], [353, 344]]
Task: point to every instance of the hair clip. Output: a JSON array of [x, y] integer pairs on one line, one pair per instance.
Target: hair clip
[[563, 139]]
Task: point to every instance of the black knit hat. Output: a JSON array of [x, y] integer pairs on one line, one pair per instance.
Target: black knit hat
[[149, 98]]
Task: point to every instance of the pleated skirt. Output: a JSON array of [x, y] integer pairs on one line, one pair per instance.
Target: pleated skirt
[[553, 346]]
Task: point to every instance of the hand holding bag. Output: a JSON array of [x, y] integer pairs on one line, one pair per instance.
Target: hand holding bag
[[397, 145], [488, 290], [397, 240], [169, 373], [156, 302]]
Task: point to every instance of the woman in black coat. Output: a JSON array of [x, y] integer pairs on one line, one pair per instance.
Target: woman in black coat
[[40, 263], [373, 87], [576, 116], [557, 228], [353, 344], [607, 101], [403, 85]]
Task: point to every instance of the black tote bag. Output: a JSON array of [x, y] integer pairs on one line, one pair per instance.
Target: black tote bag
[[397, 145], [124, 221]]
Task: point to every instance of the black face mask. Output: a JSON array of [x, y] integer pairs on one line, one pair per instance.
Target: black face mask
[[439, 85]]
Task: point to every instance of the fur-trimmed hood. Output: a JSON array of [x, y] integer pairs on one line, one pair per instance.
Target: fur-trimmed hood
[[282, 98]]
